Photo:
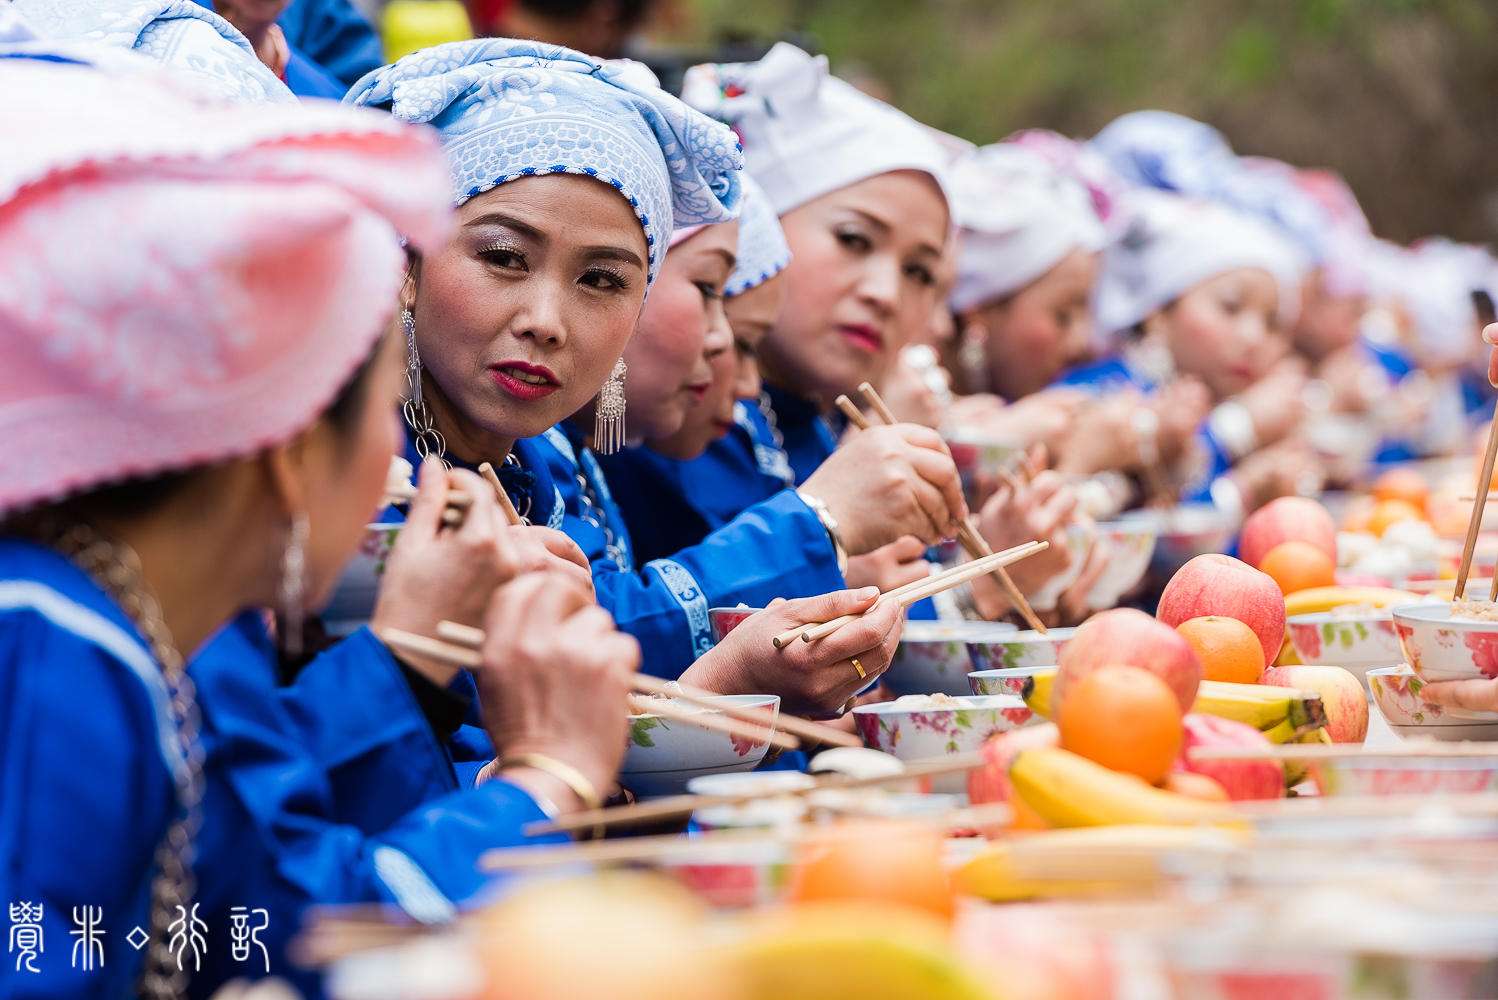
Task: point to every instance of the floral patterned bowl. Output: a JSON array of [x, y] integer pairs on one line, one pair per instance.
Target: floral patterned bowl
[[663, 754], [921, 733], [936, 656], [1031, 685], [1441, 648], [1356, 642], [1376, 775], [724, 620], [1021, 649], [353, 600], [1396, 692], [1079, 540], [1130, 545]]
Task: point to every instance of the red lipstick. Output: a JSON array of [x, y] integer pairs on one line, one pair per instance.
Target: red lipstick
[[526, 382]]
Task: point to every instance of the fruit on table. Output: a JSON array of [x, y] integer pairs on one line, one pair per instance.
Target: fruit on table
[[1241, 779], [1195, 786], [1083, 861], [1068, 790], [1129, 636], [1297, 771], [870, 950], [1341, 694], [1215, 584], [1387, 512], [1281, 713], [1288, 519], [1040, 691], [1299, 566], [1123, 718], [893, 862], [990, 782], [1319, 600], [1402, 484], [1227, 648]]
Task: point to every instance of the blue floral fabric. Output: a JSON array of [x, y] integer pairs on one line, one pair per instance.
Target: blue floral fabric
[[762, 251], [508, 108]]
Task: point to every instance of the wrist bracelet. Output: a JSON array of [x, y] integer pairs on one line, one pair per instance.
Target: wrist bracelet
[[830, 523], [562, 771]]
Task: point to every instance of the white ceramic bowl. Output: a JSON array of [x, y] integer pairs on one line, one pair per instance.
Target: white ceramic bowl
[[771, 811], [1021, 649], [1078, 543], [917, 734], [1185, 531], [1356, 642], [1020, 682], [1442, 648], [936, 656], [1396, 692], [353, 600], [1131, 544], [665, 753], [1376, 775]]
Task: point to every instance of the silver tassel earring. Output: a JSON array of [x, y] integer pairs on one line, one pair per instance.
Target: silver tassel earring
[[429, 440], [608, 429], [293, 584]]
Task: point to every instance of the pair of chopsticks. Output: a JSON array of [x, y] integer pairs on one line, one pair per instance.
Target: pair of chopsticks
[[967, 533], [685, 805], [1480, 498], [919, 590], [458, 502], [459, 645]]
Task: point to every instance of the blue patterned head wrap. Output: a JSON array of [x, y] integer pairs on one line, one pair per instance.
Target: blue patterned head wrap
[[763, 251], [508, 108], [183, 37]]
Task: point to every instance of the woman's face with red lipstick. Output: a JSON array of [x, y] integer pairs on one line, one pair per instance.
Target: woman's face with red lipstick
[[1225, 331], [521, 318], [860, 283], [681, 328]]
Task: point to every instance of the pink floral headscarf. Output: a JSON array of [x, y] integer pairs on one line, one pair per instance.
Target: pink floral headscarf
[[183, 282]]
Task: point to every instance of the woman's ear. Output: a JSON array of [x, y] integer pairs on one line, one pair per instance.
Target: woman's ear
[[286, 470]]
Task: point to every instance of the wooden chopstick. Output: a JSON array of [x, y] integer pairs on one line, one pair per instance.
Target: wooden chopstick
[[721, 723], [1480, 500], [458, 502], [464, 653], [967, 532], [936, 584], [682, 805], [511, 514], [473, 638], [850, 411]]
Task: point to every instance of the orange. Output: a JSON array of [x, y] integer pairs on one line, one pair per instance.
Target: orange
[[1359, 512], [1402, 484], [1387, 512], [1299, 566], [1123, 718], [895, 862], [1196, 786], [1229, 650]]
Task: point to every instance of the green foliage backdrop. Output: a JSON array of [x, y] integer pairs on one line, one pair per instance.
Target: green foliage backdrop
[[1400, 96]]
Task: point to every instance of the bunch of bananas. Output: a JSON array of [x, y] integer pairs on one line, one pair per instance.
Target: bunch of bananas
[[1282, 714]]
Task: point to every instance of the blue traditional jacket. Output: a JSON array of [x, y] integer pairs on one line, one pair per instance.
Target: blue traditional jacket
[[332, 791]]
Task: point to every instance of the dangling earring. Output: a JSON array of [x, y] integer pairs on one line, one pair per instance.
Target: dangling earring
[[972, 357], [293, 583], [429, 441], [608, 428]]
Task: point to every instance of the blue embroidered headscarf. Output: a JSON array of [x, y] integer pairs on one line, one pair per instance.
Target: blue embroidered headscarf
[[179, 35], [762, 251], [508, 108]]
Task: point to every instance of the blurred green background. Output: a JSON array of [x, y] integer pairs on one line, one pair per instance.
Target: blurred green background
[[1399, 96]]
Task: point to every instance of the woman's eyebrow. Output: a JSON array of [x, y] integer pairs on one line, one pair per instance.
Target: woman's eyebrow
[[612, 253], [509, 222]]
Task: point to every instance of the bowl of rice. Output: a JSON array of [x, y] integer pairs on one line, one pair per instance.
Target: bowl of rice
[[918, 727], [938, 655], [1397, 693], [1449, 641], [665, 752]]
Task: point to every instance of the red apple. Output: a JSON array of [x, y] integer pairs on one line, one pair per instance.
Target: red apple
[[1132, 638], [1243, 779], [990, 782], [1341, 694], [1288, 519], [1221, 585]]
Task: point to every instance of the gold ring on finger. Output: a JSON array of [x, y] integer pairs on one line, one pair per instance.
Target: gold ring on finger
[[859, 667]]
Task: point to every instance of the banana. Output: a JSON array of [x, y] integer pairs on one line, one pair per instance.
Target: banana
[[1087, 861], [1280, 713], [1297, 771], [1069, 790], [1038, 691], [865, 950], [1320, 599]]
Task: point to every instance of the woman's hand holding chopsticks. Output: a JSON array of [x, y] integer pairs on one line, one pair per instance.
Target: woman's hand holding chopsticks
[[811, 678], [540, 549]]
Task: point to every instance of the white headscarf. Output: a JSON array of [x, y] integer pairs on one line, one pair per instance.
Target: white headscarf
[[806, 133], [1166, 245], [1020, 216], [763, 251]]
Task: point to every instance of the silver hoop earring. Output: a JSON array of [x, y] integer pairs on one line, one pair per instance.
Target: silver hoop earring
[[293, 583], [429, 441], [608, 429]]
